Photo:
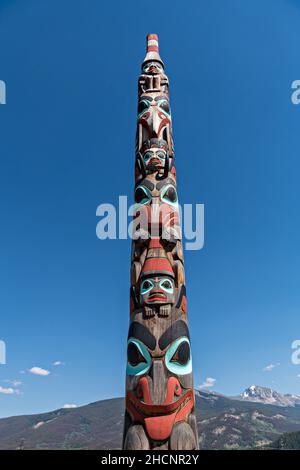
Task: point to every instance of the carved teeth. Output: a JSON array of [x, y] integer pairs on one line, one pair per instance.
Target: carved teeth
[[145, 412]]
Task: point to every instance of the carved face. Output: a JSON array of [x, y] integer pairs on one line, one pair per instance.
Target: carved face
[[154, 115], [163, 192], [157, 290], [153, 67], [154, 159], [159, 378], [153, 79], [157, 206]]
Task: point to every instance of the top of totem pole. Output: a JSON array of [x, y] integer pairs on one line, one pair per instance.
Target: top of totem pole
[[152, 53]]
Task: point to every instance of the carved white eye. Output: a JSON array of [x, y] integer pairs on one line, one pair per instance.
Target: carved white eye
[[166, 285], [178, 358], [138, 358], [146, 286], [148, 156], [142, 195], [164, 106], [169, 194], [143, 106], [161, 155]]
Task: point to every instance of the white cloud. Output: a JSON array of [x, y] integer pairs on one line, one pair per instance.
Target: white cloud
[[15, 383], [7, 391], [298, 375], [39, 371], [70, 405], [58, 363], [209, 382], [270, 367]]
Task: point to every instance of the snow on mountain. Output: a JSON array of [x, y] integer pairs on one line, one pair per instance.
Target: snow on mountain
[[268, 396]]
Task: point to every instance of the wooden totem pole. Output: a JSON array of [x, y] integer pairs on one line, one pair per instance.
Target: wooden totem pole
[[159, 380]]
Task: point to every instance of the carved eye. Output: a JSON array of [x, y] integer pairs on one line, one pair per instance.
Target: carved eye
[[146, 286], [182, 354], [143, 106], [161, 155], [151, 64], [138, 358], [148, 156], [164, 106], [142, 195], [169, 194], [166, 285], [134, 356], [178, 358]]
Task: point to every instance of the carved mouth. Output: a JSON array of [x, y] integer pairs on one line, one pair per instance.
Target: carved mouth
[[160, 410], [153, 69], [159, 419], [157, 297], [154, 162]]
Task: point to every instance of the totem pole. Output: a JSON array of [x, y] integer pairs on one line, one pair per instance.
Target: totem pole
[[160, 398]]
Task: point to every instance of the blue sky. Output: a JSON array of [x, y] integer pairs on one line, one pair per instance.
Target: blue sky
[[67, 145]]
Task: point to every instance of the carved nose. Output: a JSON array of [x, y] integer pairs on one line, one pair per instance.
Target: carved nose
[[155, 123], [158, 383]]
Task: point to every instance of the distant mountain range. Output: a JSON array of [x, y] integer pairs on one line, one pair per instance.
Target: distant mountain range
[[268, 396], [256, 418]]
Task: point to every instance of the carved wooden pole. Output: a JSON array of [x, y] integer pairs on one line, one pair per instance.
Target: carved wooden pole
[[159, 381]]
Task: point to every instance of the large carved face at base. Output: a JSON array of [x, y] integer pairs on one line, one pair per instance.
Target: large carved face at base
[[159, 377]]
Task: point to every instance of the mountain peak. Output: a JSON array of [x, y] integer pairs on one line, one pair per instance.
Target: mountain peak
[[267, 395]]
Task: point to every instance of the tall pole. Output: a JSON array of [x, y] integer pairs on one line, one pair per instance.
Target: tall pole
[[160, 398]]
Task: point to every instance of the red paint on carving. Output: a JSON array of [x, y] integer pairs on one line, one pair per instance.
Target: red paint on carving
[[164, 122], [184, 305], [155, 243], [158, 265], [157, 297], [152, 36], [144, 387], [173, 388], [159, 427]]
